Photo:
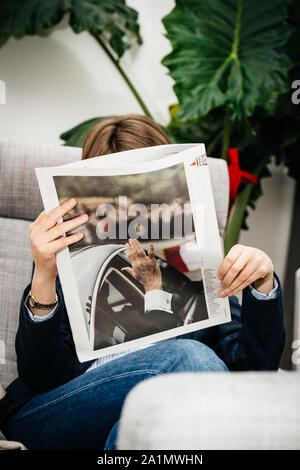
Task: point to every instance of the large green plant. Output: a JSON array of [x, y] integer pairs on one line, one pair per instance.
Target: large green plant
[[233, 63], [227, 54]]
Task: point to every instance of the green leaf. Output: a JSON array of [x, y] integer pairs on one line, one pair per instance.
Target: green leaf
[[209, 130], [227, 53], [113, 19], [258, 137], [113, 16], [75, 137], [19, 18]]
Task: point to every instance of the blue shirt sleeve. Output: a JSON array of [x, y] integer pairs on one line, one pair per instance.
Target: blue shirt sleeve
[[260, 296]]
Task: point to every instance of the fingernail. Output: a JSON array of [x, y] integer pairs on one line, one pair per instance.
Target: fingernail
[[221, 293], [84, 217], [72, 201]]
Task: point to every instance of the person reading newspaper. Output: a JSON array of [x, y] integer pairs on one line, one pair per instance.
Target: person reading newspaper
[[58, 402]]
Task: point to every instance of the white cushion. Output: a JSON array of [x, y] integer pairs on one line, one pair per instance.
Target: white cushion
[[248, 410]]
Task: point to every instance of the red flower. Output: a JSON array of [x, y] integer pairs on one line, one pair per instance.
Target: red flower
[[237, 175]]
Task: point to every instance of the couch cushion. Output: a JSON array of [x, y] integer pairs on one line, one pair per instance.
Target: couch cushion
[[20, 195], [15, 272], [237, 410], [220, 185], [20, 202]]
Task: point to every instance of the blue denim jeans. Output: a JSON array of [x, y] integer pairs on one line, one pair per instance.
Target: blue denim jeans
[[83, 414]]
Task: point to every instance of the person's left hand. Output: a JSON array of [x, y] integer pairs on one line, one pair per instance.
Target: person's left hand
[[144, 268], [243, 266]]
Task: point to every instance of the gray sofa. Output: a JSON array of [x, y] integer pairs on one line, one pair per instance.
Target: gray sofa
[[20, 203]]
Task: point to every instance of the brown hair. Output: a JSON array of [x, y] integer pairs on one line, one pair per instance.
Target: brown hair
[[117, 134]]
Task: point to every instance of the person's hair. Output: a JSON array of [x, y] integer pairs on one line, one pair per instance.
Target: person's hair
[[117, 134]]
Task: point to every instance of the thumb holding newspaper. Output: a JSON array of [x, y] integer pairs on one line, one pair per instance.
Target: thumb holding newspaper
[[243, 266]]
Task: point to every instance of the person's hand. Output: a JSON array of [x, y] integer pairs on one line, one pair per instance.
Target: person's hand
[[46, 238], [242, 266], [145, 269]]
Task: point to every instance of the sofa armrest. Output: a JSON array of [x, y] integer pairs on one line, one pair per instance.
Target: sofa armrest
[[241, 410]]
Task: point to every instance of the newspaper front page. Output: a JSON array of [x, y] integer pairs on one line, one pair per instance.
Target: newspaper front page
[[160, 196]]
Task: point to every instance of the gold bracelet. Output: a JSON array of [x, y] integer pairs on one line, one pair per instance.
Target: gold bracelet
[[34, 303]]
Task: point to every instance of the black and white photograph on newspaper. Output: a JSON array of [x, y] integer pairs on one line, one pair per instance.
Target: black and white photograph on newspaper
[[145, 269]]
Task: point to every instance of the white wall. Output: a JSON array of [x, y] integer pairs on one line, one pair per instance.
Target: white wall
[[56, 82]]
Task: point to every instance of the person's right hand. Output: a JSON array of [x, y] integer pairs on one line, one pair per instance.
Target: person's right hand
[[46, 237]]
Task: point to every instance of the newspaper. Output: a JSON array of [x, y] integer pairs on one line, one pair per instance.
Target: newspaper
[[160, 196]]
